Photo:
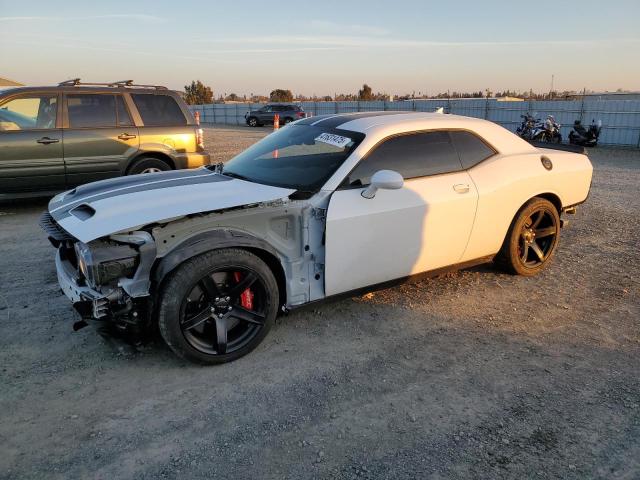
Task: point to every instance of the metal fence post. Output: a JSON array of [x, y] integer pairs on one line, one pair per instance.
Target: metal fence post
[[582, 105], [213, 107]]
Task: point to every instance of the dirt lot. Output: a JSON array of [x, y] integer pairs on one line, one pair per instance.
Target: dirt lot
[[476, 374]]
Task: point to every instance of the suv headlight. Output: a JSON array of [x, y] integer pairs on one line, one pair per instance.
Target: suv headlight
[[105, 262]]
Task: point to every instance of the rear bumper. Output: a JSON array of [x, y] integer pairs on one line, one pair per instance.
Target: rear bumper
[[193, 160]]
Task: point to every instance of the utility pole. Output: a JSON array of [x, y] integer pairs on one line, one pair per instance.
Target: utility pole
[[551, 91]]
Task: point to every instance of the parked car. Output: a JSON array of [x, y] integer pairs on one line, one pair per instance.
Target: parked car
[[349, 203], [265, 115], [54, 138]]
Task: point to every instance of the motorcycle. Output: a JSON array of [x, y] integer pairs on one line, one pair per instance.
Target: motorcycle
[[526, 127], [549, 131], [585, 137]]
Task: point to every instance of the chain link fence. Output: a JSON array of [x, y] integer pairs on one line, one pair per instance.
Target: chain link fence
[[620, 118]]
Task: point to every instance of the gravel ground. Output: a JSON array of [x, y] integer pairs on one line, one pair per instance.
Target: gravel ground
[[476, 374]]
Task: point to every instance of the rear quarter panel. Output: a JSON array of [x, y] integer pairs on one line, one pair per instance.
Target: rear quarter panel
[[506, 182], [172, 141]]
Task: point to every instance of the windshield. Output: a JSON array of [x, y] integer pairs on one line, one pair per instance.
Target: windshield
[[302, 157]]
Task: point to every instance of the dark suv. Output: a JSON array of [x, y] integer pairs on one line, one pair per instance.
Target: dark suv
[[265, 115], [54, 138]]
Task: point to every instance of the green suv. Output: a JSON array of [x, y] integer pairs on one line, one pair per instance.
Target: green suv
[[54, 138]]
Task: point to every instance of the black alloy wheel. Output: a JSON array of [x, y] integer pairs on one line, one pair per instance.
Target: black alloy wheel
[[223, 311], [537, 237], [218, 306], [532, 238]]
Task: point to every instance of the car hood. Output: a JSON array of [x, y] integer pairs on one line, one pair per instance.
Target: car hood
[[102, 208]]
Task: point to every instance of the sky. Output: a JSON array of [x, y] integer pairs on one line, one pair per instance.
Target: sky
[[320, 48]]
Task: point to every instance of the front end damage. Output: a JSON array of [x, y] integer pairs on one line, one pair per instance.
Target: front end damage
[[115, 279], [106, 279]]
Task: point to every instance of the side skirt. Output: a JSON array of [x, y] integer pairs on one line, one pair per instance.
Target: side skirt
[[398, 281]]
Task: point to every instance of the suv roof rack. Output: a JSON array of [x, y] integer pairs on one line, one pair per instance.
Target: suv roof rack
[[74, 82]]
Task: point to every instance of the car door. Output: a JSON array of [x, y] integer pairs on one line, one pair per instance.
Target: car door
[[423, 226], [31, 144], [266, 114], [99, 136]]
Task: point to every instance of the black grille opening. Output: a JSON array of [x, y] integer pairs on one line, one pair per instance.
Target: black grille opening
[[54, 231]]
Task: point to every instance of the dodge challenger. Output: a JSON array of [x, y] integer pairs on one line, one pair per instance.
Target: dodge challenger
[[329, 205]]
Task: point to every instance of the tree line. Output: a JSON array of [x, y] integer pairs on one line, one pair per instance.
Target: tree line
[[197, 94]]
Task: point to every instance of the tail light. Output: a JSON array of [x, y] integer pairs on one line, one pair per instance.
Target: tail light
[[200, 138], [300, 114]]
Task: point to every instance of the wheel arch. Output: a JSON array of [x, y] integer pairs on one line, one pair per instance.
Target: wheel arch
[[157, 155], [552, 197], [218, 240]]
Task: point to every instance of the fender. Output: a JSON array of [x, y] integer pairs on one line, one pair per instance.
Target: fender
[[207, 241]]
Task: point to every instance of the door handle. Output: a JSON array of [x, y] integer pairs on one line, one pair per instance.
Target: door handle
[[461, 187], [126, 136], [47, 140]]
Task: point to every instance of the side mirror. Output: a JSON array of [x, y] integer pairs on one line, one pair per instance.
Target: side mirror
[[383, 179]]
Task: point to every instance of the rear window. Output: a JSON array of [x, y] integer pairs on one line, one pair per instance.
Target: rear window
[[470, 148], [158, 110]]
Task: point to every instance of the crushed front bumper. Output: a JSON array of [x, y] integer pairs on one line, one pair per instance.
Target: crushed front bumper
[[89, 303]]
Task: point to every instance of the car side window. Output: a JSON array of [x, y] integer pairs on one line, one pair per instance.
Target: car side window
[[124, 119], [29, 112], [471, 149], [91, 110], [412, 155], [158, 110]]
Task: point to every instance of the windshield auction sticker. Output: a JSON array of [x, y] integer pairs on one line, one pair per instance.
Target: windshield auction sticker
[[335, 140]]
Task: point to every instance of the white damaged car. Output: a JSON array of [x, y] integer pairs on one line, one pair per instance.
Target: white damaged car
[[328, 205]]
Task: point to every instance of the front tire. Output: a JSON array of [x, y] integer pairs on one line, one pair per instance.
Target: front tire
[[218, 306], [532, 238], [253, 122]]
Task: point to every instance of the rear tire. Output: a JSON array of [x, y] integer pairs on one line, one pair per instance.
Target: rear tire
[[204, 315], [532, 238], [148, 165], [253, 122]]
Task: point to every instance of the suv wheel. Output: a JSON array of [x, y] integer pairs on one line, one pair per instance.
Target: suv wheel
[[288, 120], [148, 165], [218, 306], [252, 122]]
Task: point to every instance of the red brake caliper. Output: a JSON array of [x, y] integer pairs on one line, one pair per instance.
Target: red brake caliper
[[246, 297]]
